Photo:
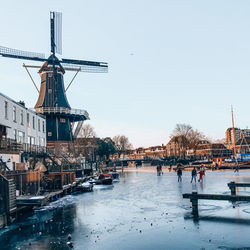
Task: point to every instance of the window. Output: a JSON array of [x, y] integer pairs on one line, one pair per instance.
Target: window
[[21, 117], [14, 113], [28, 120], [20, 137], [49, 133], [31, 140], [42, 143], [6, 110], [15, 135], [39, 127], [43, 127], [33, 122]]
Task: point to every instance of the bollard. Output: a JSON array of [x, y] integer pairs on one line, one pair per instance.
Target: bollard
[[194, 201]]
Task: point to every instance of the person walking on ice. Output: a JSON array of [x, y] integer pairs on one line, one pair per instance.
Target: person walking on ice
[[194, 175], [202, 172], [179, 174]]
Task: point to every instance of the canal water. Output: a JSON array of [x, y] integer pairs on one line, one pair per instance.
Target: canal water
[[141, 211]]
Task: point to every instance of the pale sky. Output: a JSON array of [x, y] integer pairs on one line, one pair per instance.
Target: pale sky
[[169, 62]]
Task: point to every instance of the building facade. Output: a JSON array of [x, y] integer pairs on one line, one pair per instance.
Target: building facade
[[212, 150], [21, 124], [243, 145], [177, 146], [239, 133]]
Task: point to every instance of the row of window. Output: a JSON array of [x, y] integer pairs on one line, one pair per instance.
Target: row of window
[[19, 136], [14, 117]]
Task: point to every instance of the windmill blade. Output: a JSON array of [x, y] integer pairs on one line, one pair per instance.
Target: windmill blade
[[85, 66], [19, 54], [56, 32]]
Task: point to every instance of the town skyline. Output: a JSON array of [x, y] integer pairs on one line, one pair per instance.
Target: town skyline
[[162, 69]]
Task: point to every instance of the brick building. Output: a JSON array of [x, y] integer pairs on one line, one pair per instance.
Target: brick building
[[177, 146]]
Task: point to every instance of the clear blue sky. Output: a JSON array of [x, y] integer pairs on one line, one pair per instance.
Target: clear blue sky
[[169, 62]]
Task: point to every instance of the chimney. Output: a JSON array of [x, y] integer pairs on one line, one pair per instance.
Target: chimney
[[22, 103]]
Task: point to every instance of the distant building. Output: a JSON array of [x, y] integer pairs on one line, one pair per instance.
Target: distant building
[[177, 146], [243, 145], [245, 133], [138, 153], [153, 152], [239, 133], [212, 150], [230, 136]]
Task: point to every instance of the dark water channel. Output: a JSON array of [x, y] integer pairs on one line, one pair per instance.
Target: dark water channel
[[142, 211]]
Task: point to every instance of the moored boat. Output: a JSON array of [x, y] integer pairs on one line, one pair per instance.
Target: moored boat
[[105, 181], [115, 175], [85, 187]]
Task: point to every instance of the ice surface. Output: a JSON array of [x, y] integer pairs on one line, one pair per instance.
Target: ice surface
[[142, 211]]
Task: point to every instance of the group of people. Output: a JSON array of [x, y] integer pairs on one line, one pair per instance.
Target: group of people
[[179, 173], [193, 174]]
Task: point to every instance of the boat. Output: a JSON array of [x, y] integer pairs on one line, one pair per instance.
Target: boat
[[85, 187], [115, 175], [105, 181]]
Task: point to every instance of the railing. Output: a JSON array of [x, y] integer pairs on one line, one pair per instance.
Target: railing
[[10, 145], [62, 110], [26, 147]]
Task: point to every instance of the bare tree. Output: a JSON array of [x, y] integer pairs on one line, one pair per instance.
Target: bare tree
[[182, 130], [122, 144], [87, 131], [191, 137], [194, 137]]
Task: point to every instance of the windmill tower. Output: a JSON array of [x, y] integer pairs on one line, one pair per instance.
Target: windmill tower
[[52, 101]]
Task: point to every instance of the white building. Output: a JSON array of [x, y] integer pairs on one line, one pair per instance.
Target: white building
[[245, 132], [20, 123]]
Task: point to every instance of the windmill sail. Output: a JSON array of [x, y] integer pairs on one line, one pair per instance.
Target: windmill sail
[[85, 66], [56, 32], [20, 54]]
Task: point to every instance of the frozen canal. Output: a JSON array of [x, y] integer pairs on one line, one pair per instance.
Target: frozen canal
[[142, 211]]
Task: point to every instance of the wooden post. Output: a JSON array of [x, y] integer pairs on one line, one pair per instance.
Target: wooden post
[[194, 201], [232, 187]]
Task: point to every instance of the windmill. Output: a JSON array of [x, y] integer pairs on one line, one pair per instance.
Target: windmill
[[52, 101]]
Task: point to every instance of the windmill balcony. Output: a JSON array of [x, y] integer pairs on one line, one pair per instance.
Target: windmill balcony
[[62, 110]]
